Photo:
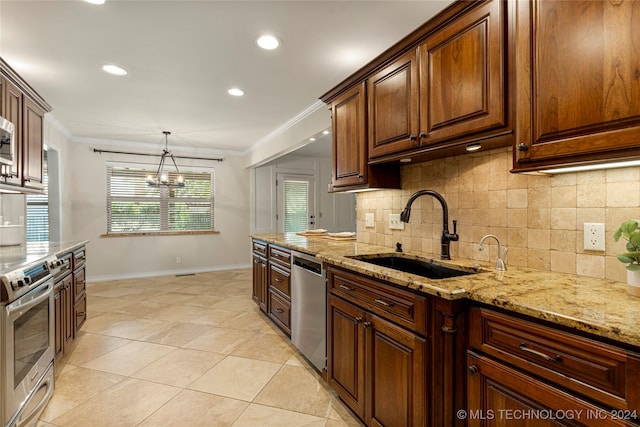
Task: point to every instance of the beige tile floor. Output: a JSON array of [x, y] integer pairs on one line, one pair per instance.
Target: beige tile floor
[[186, 351]]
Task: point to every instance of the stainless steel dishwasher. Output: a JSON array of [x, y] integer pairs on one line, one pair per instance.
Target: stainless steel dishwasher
[[309, 308]]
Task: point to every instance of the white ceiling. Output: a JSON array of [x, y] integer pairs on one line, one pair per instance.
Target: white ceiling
[[182, 56]]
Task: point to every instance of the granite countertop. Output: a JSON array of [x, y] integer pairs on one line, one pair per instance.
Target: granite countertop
[[597, 306], [13, 257]]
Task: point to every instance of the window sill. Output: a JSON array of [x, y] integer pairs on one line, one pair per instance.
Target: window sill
[[159, 233]]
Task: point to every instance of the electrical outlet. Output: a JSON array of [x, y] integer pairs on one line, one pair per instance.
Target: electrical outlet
[[369, 220], [395, 223], [178, 260], [593, 236]]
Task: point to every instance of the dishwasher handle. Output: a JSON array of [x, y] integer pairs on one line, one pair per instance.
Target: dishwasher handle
[[311, 266]]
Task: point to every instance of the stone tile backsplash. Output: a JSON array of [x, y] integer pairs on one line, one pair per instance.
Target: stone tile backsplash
[[538, 217]]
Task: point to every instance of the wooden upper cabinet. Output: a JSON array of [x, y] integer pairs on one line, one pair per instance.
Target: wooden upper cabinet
[[12, 110], [462, 76], [393, 107], [348, 112], [33, 145], [578, 94]]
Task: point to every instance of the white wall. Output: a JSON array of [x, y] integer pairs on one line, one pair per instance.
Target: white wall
[[140, 256], [334, 211], [56, 138]]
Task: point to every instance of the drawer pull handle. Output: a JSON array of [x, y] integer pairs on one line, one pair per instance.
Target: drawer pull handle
[[279, 310], [383, 302], [277, 279], [346, 288], [545, 357]]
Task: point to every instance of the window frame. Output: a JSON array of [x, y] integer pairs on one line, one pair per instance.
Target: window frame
[[164, 200]]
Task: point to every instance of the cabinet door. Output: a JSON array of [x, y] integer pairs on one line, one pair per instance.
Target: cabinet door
[[393, 107], [260, 282], [578, 85], [396, 361], [68, 310], [33, 145], [349, 138], [12, 111], [462, 76], [58, 310], [501, 396], [346, 353]]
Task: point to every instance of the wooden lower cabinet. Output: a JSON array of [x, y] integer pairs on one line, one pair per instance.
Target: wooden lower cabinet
[[499, 395], [260, 284], [376, 367], [524, 373], [69, 299]]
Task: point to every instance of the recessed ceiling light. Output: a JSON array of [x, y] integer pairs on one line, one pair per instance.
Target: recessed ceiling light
[[268, 42], [325, 132], [312, 139], [114, 69], [235, 91], [95, 1]]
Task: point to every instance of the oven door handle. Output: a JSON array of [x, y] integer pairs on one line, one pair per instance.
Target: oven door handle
[[40, 407], [23, 307]]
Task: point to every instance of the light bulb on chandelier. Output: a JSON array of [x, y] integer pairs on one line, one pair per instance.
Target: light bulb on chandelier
[[161, 179]]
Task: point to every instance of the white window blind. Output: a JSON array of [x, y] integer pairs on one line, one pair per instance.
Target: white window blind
[[132, 206], [38, 210], [296, 205]]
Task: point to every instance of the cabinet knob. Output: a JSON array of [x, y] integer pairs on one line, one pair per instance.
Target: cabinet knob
[[279, 310], [523, 147], [358, 319], [367, 324], [412, 137], [472, 369], [422, 135], [360, 176]]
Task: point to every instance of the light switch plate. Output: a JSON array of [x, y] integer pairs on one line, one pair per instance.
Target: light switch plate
[[594, 236], [395, 223], [369, 220]]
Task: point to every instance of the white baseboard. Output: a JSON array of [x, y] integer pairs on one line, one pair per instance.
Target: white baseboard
[[109, 277]]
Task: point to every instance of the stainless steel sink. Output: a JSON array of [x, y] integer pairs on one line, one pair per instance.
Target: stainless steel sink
[[424, 267]]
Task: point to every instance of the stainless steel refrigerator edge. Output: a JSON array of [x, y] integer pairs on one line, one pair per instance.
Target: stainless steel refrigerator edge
[[309, 308]]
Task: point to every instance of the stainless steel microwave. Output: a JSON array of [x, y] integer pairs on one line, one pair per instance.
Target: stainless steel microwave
[[7, 141]]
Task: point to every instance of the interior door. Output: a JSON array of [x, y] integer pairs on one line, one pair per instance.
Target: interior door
[[296, 203]]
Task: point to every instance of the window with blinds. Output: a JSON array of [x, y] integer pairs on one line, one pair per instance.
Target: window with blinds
[[38, 210], [296, 206], [132, 206]]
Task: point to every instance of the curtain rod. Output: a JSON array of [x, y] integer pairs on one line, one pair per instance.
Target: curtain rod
[[217, 159]]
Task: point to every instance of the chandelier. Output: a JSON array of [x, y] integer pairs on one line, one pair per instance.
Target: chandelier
[[161, 179]]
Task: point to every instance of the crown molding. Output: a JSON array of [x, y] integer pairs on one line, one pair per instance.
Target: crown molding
[[286, 126]]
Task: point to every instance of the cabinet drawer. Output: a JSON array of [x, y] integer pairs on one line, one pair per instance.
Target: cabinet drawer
[[280, 311], [80, 283], [282, 255], [66, 264], [260, 248], [403, 307], [600, 371], [79, 257], [280, 279], [80, 312]]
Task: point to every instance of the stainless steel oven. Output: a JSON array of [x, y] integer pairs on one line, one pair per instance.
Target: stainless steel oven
[[27, 343]]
